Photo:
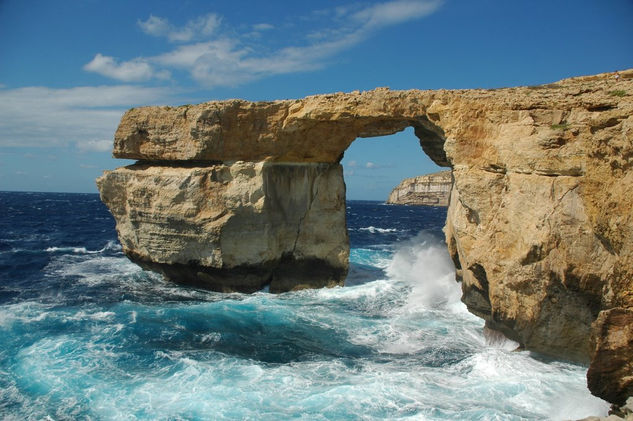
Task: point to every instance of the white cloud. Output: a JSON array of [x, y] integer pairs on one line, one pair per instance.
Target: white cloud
[[39, 116], [198, 28], [136, 70], [102, 145], [373, 166], [188, 56], [225, 58], [394, 12], [155, 26], [352, 163], [262, 27], [87, 166]]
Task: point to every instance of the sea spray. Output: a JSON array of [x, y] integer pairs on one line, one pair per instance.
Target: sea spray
[[423, 263]]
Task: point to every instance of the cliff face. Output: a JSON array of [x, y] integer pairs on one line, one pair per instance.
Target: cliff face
[[231, 227], [236, 195], [426, 190]]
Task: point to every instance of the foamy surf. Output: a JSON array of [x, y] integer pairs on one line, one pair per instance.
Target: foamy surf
[[110, 246], [89, 335], [375, 230]]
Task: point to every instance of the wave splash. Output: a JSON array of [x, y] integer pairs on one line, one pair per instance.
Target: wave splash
[[110, 246], [424, 264]]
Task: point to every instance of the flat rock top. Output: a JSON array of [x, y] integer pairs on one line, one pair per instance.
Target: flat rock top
[[436, 177], [319, 128], [428, 189]]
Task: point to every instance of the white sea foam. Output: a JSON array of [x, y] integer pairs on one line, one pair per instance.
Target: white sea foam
[[488, 384], [92, 269], [94, 315], [491, 385], [23, 312], [110, 246], [374, 230], [424, 264], [78, 250]]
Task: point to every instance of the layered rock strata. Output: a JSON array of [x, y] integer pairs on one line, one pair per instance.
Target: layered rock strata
[[424, 190], [233, 227], [233, 195]]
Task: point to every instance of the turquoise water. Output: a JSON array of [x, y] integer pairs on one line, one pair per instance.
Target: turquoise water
[[89, 335]]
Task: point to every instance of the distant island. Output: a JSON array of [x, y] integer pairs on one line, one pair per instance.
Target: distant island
[[424, 190]]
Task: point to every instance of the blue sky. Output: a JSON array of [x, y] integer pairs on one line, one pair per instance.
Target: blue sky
[[70, 68]]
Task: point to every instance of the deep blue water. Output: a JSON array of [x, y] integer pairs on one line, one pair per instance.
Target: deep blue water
[[86, 334]]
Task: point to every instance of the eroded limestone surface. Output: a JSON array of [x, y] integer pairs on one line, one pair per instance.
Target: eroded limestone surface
[[233, 227], [236, 194]]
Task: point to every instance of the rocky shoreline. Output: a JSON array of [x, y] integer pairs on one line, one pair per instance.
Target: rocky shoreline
[[235, 195]]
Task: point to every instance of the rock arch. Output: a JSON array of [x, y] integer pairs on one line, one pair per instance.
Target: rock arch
[[277, 213], [236, 195]]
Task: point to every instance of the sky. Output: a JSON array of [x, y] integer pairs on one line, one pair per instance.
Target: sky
[[70, 68]]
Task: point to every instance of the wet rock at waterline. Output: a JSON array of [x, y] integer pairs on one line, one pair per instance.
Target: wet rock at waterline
[[539, 222]]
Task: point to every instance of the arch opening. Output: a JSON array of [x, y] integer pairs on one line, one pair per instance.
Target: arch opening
[[373, 167]]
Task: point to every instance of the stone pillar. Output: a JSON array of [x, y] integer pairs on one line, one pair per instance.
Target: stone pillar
[[233, 227]]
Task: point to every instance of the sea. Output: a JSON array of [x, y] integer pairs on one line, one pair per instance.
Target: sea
[[86, 334]]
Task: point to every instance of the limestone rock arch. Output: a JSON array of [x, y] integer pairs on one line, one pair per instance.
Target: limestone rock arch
[[234, 195]]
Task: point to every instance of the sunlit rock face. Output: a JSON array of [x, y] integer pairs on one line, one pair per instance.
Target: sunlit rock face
[[237, 227], [236, 195]]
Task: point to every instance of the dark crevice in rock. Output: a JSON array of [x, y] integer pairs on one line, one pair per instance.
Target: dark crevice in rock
[[142, 164], [605, 241], [454, 254], [495, 168], [471, 215], [496, 325], [535, 254], [552, 142], [477, 296], [480, 274], [314, 191], [601, 107], [604, 125]]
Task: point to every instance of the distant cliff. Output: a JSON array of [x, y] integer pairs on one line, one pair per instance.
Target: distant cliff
[[427, 190]]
